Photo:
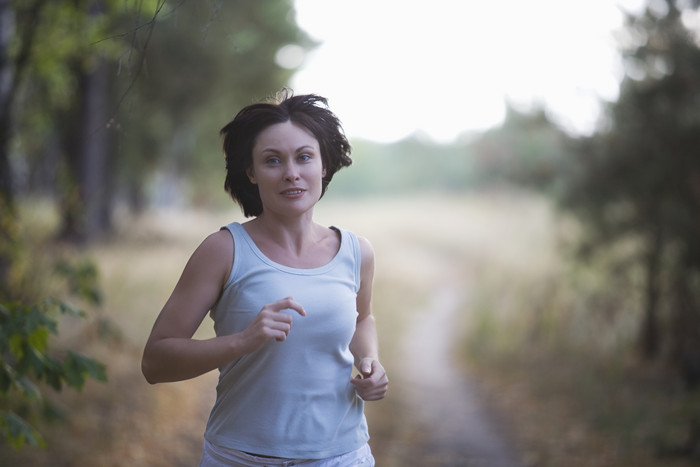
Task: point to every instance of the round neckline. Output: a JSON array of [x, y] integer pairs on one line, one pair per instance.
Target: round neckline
[[282, 267]]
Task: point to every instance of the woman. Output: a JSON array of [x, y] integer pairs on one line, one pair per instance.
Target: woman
[[290, 300]]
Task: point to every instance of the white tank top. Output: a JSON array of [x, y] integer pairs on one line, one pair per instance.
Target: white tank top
[[290, 399]]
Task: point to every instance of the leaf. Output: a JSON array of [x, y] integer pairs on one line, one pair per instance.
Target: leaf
[[39, 339], [37, 317], [17, 346], [53, 373], [82, 278], [78, 367], [68, 309], [6, 378], [18, 432], [29, 390]]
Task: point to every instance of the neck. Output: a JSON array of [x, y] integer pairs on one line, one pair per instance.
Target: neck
[[290, 233]]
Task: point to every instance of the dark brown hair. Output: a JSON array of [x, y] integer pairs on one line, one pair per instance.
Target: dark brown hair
[[310, 111]]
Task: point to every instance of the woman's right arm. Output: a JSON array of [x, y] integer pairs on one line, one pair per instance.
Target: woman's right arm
[[171, 354]]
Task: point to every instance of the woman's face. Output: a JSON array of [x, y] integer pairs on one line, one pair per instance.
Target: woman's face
[[288, 169]]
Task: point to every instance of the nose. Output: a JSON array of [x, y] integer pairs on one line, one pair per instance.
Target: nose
[[292, 172]]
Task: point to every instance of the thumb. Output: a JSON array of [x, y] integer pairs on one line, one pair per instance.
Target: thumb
[[366, 367]]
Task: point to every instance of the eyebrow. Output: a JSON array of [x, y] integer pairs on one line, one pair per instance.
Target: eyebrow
[[305, 147]]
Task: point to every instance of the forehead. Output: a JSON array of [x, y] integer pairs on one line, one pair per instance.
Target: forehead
[[286, 135]]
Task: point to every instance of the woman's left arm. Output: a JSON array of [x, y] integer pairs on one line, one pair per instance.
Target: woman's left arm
[[373, 383]]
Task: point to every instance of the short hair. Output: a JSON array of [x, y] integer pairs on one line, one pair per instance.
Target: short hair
[[240, 134]]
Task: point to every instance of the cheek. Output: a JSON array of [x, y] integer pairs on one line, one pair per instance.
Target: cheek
[[318, 176]]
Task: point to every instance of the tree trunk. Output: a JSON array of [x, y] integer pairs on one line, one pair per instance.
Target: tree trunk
[[71, 203], [649, 336], [86, 208], [7, 77], [11, 70], [86, 205], [12, 67], [686, 324], [95, 149]]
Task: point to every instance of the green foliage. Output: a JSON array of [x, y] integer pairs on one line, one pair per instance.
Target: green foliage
[[82, 279], [638, 181], [68, 40], [642, 172], [406, 166], [527, 150], [168, 74], [27, 360], [203, 63]]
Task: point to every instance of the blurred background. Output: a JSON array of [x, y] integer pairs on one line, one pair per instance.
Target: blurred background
[[528, 173]]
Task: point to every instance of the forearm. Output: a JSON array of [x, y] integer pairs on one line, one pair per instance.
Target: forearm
[[372, 383], [178, 358], [365, 343]]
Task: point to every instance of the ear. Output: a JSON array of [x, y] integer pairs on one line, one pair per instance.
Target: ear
[[251, 176], [323, 174]]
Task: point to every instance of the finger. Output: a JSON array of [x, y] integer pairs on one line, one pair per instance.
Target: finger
[[282, 325], [361, 383], [378, 382], [357, 382], [276, 325], [281, 334], [371, 394], [288, 303], [374, 397], [369, 367], [269, 317]]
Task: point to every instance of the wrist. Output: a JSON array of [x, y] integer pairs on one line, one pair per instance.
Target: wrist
[[235, 346]]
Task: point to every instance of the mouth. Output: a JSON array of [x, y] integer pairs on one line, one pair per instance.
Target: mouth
[[293, 192]]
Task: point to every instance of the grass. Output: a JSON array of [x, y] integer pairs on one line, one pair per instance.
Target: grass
[[566, 409], [553, 343]]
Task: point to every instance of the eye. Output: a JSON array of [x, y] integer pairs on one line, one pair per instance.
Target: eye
[[305, 157], [272, 161]]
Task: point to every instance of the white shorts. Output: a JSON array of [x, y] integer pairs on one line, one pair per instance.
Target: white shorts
[[217, 456]]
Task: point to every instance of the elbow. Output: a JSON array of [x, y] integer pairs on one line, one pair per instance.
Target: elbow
[[147, 370]]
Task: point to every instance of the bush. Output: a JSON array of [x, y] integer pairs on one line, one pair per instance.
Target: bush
[[27, 360]]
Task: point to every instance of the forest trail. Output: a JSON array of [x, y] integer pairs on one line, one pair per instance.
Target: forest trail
[[460, 431], [442, 419]]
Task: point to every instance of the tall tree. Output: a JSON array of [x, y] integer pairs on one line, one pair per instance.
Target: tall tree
[[202, 64], [114, 90], [86, 135], [12, 70], [640, 178]]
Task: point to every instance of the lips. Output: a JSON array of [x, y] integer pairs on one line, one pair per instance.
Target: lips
[[293, 192]]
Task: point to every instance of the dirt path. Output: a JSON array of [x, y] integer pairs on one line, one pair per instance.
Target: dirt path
[[443, 419], [461, 431]]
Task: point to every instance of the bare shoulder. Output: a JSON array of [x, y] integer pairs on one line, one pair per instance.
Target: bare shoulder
[[366, 249], [219, 239], [215, 253], [219, 243]]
